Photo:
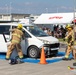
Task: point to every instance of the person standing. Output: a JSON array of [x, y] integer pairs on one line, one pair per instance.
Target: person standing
[[17, 35], [49, 32], [70, 41]]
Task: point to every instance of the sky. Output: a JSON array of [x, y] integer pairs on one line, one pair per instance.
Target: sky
[[36, 6]]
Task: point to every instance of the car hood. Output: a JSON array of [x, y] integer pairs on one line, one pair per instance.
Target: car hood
[[51, 39]]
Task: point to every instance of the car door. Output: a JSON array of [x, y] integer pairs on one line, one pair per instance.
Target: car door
[[25, 42], [3, 40]]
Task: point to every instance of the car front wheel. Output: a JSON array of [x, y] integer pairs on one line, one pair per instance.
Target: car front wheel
[[33, 52]]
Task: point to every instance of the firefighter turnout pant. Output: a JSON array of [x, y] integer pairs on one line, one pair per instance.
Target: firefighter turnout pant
[[69, 50], [11, 47], [74, 51]]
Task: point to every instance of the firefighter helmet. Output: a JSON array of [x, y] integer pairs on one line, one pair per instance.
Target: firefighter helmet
[[69, 27], [19, 26]]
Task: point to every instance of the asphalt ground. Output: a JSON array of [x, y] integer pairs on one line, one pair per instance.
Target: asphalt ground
[[55, 66]]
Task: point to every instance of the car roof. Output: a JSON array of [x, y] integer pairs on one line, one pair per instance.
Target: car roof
[[14, 24]]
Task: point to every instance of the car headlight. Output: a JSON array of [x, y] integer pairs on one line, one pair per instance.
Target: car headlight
[[44, 41]]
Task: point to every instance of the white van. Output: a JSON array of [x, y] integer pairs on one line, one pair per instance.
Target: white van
[[34, 41]]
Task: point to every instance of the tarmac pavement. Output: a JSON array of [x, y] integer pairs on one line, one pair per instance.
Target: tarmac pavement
[[57, 68]]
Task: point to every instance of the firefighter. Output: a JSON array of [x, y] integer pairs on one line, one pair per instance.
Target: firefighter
[[70, 41], [17, 35]]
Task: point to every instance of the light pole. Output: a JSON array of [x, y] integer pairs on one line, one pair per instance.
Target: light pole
[[46, 10], [57, 9], [10, 11], [6, 11], [74, 11]]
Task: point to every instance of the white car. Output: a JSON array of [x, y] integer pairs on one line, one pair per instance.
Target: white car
[[34, 41]]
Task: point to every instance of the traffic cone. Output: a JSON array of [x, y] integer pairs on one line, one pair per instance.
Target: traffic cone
[[42, 59]]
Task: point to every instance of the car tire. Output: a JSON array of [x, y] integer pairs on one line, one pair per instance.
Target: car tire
[[33, 52]]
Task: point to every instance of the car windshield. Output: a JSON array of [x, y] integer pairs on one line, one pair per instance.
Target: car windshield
[[36, 31]]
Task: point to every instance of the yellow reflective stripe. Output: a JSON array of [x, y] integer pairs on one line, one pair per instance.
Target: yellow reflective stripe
[[15, 41], [17, 35], [7, 57], [73, 37], [20, 56], [66, 56], [75, 42]]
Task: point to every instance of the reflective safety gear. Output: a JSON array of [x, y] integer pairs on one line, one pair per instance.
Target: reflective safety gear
[[11, 47], [19, 26], [21, 57], [66, 56], [70, 42], [17, 34], [7, 58], [70, 38], [15, 41]]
